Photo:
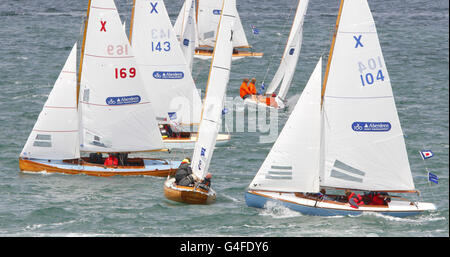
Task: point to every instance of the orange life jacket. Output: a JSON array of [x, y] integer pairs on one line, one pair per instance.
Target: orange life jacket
[[244, 90], [252, 88]]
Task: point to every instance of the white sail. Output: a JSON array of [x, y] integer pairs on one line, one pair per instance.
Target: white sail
[[363, 140], [208, 16], [215, 92], [55, 133], [162, 63], [293, 162], [188, 40], [289, 61], [116, 112]]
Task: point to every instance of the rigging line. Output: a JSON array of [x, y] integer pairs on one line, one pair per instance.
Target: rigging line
[[278, 44]]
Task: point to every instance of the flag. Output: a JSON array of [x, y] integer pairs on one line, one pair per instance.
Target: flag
[[426, 154], [172, 115], [433, 178], [255, 30]]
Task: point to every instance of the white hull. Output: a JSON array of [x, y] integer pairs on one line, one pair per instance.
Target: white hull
[[252, 102], [312, 206]]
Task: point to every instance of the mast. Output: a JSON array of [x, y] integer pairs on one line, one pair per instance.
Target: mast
[[330, 55], [82, 50], [132, 21]]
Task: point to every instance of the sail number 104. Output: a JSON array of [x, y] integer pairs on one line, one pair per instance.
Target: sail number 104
[[371, 71]]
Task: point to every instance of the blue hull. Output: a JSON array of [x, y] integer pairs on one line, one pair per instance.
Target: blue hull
[[258, 201]]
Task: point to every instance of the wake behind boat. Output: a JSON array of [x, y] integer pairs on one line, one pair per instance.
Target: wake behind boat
[[108, 112], [343, 136]]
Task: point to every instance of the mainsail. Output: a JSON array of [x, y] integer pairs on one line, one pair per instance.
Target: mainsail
[[292, 164], [363, 144], [215, 91], [189, 37], [207, 18], [162, 63], [116, 112], [55, 133], [289, 60]]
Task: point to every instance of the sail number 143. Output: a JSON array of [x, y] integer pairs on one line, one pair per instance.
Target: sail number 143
[[373, 71]]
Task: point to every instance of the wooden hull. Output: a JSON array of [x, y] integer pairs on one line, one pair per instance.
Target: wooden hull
[[206, 54], [188, 195], [189, 143], [310, 206], [152, 167]]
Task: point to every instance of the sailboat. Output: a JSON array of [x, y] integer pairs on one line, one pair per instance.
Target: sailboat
[[105, 109], [211, 114], [207, 14], [286, 69], [345, 135], [176, 100]]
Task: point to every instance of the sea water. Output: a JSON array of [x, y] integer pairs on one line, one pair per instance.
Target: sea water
[[37, 36]]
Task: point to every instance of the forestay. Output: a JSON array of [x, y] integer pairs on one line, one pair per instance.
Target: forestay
[[292, 164], [162, 63], [55, 133], [291, 53], [116, 112], [215, 92], [363, 140]]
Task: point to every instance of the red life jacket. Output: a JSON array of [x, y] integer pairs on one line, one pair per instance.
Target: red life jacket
[[357, 199], [111, 161], [377, 200]]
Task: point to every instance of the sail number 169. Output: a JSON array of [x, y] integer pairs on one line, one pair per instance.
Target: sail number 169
[[124, 73]]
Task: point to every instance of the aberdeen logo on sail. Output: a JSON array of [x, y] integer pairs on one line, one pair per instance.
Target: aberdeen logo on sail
[[361, 126], [168, 74], [216, 12], [120, 100]]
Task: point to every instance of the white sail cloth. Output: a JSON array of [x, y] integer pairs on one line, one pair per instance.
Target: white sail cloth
[[117, 114], [162, 63], [207, 17], [291, 53], [293, 162], [215, 92], [55, 133], [363, 140]]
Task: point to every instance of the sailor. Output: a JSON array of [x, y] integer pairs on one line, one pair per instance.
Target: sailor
[[206, 182], [252, 86], [183, 176], [354, 200], [111, 160], [378, 198], [244, 91]]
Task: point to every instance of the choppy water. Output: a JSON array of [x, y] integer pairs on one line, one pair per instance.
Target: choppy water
[[36, 37]]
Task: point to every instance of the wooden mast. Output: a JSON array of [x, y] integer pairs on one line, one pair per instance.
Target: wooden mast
[[82, 51], [330, 55], [132, 21]]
